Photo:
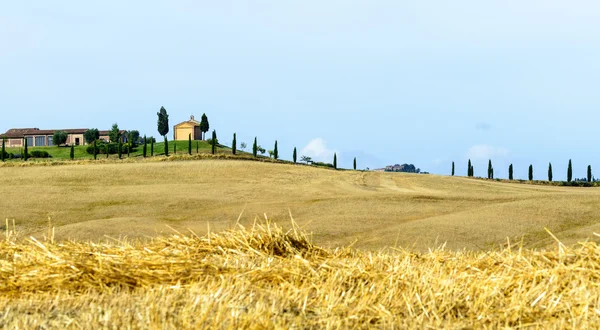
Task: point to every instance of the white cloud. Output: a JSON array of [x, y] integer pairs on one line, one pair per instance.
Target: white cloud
[[317, 149], [485, 152]]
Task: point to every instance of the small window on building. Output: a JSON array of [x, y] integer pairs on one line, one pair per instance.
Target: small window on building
[[50, 144]]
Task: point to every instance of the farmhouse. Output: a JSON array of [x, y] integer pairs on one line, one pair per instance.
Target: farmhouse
[[183, 130], [36, 137]]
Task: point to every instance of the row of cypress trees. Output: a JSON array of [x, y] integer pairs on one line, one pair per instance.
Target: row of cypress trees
[[530, 171], [255, 149]]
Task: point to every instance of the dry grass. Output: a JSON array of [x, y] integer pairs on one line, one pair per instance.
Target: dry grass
[[264, 277], [138, 199]]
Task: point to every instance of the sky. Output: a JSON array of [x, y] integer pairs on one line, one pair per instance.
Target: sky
[[421, 82]]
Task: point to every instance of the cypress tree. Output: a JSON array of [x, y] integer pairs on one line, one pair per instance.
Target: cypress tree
[[3, 150], [145, 150], [166, 146], [128, 148], [510, 172], [275, 151], [214, 142], [197, 147], [72, 153], [174, 147], [550, 172], [472, 171], [255, 147], [106, 149], [335, 161], [295, 155], [152, 147], [490, 169], [589, 173], [120, 148], [190, 144], [234, 145], [469, 173], [452, 168], [25, 155], [530, 172], [354, 163], [95, 150], [570, 172]]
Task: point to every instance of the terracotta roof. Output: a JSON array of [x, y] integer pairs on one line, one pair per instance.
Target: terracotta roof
[[191, 120], [15, 133], [107, 133], [51, 131]]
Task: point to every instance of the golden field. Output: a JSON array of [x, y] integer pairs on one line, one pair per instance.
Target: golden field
[[139, 199], [263, 277], [164, 245]]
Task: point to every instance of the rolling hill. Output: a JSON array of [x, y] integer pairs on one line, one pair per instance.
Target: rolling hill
[[374, 210]]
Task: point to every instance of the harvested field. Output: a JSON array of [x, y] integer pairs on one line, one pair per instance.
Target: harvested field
[[140, 198], [264, 277]]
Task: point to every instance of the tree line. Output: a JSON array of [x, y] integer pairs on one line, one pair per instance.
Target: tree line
[[490, 172]]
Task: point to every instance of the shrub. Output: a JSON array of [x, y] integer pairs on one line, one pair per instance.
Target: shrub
[[39, 154], [113, 148], [323, 164]]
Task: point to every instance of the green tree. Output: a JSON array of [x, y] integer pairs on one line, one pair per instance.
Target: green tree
[[95, 150], [275, 151], [589, 173], [72, 153], [166, 146], [114, 134], [452, 168], [163, 122], [3, 150], [570, 172], [134, 138], [255, 147], [490, 169], [550, 172], [510, 172], [190, 144], [469, 173], [335, 161], [128, 148], [59, 137], [174, 147], [295, 155], [530, 172], [120, 148], [106, 151], [492, 172], [354, 163], [204, 125], [213, 142], [151, 147], [26, 153], [145, 150], [197, 147], [234, 145], [91, 135]]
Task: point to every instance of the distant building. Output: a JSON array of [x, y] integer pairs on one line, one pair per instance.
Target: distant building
[[183, 130], [406, 168], [36, 137]]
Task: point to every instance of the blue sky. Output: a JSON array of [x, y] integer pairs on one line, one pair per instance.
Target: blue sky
[[423, 82]]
